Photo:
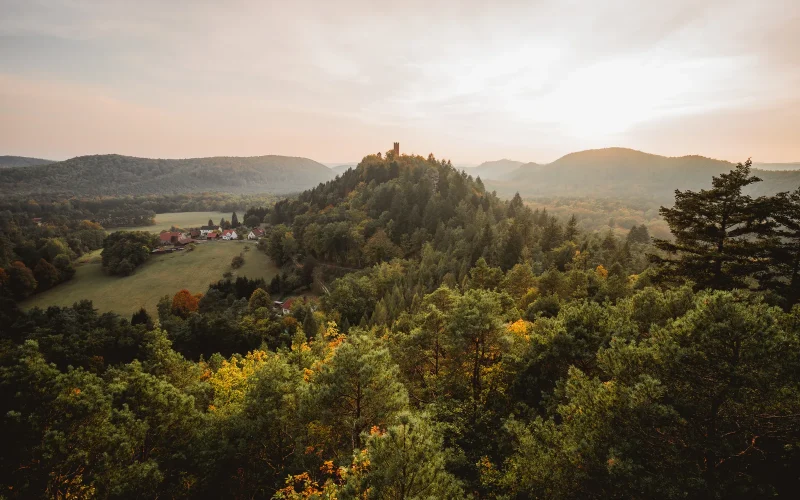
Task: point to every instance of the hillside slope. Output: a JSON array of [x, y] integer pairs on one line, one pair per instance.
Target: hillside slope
[[620, 172], [495, 170], [777, 166], [21, 161], [123, 175]]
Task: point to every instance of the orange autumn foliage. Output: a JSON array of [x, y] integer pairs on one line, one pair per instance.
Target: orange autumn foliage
[[184, 303]]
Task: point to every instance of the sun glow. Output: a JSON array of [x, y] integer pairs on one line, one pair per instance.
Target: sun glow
[[607, 98]]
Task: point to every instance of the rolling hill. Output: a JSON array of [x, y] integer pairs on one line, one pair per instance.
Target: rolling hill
[[21, 161], [777, 166], [340, 169], [495, 170], [108, 175], [625, 173]]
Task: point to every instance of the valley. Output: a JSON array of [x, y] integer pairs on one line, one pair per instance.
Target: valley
[[161, 275]]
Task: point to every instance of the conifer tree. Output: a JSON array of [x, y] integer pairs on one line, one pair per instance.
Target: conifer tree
[[571, 232], [781, 234], [405, 461], [714, 234]]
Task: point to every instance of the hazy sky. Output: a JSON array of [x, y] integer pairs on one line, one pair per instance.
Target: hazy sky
[[335, 80]]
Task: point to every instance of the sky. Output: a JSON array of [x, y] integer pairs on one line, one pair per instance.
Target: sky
[[334, 81]]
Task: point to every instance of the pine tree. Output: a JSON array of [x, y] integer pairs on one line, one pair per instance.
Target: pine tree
[[713, 229], [405, 461], [141, 317], [571, 232], [234, 220], [781, 233], [359, 387]]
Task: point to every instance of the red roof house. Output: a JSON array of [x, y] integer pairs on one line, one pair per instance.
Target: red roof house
[[168, 237]]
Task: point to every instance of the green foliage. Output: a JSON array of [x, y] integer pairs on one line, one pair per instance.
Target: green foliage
[[358, 388], [713, 233], [405, 461], [124, 251]]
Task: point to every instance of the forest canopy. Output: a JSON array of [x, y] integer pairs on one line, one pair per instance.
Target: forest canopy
[[459, 345]]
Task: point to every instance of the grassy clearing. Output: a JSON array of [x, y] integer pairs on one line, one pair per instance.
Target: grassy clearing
[[159, 276], [180, 219]]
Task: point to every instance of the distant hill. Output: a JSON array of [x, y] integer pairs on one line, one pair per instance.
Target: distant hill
[[125, 175], [494, 170], [340, 169], [21, 161], [777, 166], [625, 173]]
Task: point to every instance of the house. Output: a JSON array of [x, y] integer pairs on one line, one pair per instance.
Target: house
[[183, 240], [229, 234], [169, 237], [286, 307], [194, 233], [204, 230], [212, 236], [255, 234], [37, 221]]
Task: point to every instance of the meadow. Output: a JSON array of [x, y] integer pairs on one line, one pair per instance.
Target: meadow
[[179, 219], [160, 275]]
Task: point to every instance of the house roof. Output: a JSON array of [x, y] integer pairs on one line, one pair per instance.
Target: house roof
[[168, 235], [209, 228], [227, 232], [287, 304], [258, 231], [213, 235]]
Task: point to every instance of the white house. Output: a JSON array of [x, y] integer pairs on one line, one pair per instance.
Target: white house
[[255, 234], [204, 230], [229, 234]]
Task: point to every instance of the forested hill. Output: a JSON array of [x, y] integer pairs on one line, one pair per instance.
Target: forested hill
[[498, 169], [391, 207], [126, 175], [620, 172], [21, 161], [418, 209]]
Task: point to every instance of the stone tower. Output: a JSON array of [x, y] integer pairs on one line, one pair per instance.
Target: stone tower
[[396, 149]]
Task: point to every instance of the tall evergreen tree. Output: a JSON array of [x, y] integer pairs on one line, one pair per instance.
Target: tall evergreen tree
[[234, 220], [782, 239], [571, 231], [714, 234]]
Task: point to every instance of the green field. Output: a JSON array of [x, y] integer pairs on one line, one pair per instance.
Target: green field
[[180, 219], [159, 276]]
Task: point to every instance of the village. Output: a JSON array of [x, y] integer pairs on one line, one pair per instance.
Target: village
[[176, 239]]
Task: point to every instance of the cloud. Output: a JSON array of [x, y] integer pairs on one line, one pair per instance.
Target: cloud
[[473, 80]]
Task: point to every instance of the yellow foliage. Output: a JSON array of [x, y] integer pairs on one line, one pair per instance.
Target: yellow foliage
[[601, 272], [231, 382], [519, 328]]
